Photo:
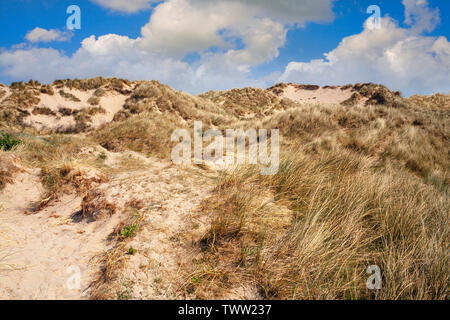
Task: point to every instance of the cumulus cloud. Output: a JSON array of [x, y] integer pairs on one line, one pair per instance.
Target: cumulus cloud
[[420, 16], [229, 36], [177, 27], [118, 56], [398, 57], [128, 6], [43, 35]]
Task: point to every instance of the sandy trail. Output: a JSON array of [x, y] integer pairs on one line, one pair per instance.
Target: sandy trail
[[164, 243], [41, 252], [41, 247]]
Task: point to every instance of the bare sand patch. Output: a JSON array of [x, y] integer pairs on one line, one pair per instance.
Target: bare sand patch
[[332, 95], [43, 246], [111, 102]]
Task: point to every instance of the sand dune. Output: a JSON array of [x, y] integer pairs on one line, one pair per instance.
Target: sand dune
[[86, 183]]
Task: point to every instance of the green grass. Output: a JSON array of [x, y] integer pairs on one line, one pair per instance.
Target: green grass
[[128, 231], [7, 142]]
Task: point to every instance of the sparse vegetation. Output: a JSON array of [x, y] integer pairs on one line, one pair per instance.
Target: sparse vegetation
[[148, 132], [106, 285], [93, 101], [360, 183], [23, 99], [131, 251], [84, 116], [8, 169], [44, 111], [128, 231], [47, 89], [7, 142], [68, 96], [99, 92], [66, 111]]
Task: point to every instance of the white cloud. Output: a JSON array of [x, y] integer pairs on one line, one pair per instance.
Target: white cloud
[[43, 35], [113, 55], [420, 16], [243, 34], [398, 57], [177, 27], [128, 6]]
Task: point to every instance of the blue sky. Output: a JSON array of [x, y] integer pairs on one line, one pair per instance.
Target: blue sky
[[198, 45]]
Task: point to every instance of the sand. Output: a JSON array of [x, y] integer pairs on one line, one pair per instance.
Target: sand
[[45, 247], [332, 95], [7, 93], [112, 102], [41, 251]]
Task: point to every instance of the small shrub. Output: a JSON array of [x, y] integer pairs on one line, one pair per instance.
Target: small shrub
[[7, 142], [18, 85], [47, 89], [128, 231], [66, 111], [99, 92], [43, 111], [68, 96], [131, 251], [147, 90], [93, 100]]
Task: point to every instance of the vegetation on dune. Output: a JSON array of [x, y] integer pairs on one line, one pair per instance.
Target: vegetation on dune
[[22, 98], [68, 96], [43, 111], [93, 100], [343, 215], [359, 184], [99, 84], [409, 138], [153, 96], [114, 261], [7, 142], [435, 101], [47, 89], [242, 102], [148, 133], [8, 168], [99, 92]]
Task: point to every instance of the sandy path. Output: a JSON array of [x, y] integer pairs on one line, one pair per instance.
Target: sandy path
[[44, 250], [41, 248], [164, 243]]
